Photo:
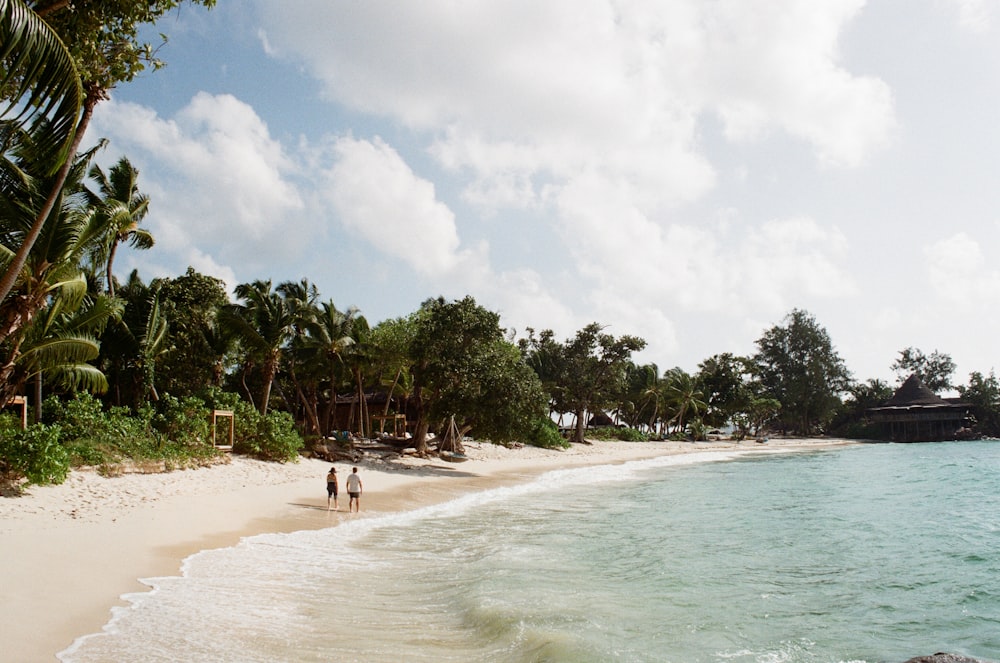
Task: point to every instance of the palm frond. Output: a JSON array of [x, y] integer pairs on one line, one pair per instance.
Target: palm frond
[[38, 79], [76, 377]]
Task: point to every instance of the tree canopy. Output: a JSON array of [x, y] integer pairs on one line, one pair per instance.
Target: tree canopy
[[934, 370], [798, 366], [463, 366], [586, 374]]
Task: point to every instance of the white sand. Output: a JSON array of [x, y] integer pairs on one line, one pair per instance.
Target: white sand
[[68, 552]]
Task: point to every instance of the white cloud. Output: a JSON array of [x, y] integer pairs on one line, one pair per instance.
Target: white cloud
[[975, 15], [378, 196], [217, 179], [775, 65], [561, 88], [588, 114], [958, 273]]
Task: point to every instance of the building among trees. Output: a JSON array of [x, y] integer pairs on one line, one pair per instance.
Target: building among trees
[[917, 414]]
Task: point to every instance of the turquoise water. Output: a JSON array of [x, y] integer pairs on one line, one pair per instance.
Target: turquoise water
[[865, 553]]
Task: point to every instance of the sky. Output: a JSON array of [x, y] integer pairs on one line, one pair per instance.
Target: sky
[[686, 171]]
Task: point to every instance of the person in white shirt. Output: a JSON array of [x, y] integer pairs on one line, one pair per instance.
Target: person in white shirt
[[354, 489]]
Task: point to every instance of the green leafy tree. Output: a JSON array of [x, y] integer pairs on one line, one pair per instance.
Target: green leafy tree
[[934, 370], [851, 419], [196, 347], [390, 341], [320, 354], [642, 403], [545, 356], [724, 381], [755, 415], [798, 366], [983, 394], [39, 81], [51, 274], [863, 396], [585, 374], [62, 342], [463, 367], [133, 346]]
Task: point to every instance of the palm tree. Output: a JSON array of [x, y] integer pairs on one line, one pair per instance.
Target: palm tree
[[39, 79], [123, 208], [134, 343], [53, 265], [330, 339], [683, 395], [642, 395], [264, 323], [57, 62], [42, 86], [62, 341]]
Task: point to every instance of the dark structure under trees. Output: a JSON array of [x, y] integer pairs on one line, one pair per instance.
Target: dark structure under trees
[[916, 414]]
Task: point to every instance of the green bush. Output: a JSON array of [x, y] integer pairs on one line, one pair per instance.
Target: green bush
[[273, 437], [697, 430], [34, 455], [184, 422], [632, 435], [615, 433], [175, 432], [544, 433], [95, 436]]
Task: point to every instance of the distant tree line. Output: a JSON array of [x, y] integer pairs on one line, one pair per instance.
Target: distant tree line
[[129, 370]]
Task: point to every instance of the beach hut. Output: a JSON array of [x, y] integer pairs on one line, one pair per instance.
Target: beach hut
[[917, 414]]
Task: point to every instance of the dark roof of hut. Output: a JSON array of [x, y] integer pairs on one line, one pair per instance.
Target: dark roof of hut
[[914, 392]]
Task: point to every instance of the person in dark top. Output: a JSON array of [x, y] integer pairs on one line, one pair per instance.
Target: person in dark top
[[331, 489]]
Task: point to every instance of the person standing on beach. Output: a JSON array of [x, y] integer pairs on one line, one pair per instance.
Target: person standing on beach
[[331, 489], [354, 489]]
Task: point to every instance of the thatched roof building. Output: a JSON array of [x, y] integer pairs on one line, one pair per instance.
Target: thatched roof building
[[917, 414]]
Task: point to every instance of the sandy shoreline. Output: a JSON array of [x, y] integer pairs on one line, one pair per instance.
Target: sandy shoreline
[[69, 552]]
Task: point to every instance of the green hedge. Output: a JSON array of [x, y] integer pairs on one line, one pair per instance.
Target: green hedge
[[33, 455]]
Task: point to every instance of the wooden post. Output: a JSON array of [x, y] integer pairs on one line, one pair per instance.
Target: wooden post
[[232, 426], [23, 402]]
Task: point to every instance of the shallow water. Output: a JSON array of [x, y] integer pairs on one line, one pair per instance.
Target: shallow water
[[867, 553]]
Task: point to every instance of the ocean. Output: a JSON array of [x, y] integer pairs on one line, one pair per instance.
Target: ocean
[[874, 552]]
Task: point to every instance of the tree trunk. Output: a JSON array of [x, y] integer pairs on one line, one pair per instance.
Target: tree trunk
[[420, 426], [388, 400], [578, 434], [330, 411], [307, 405], [38, 397], [270, 370], [110, 277], [362, 404]]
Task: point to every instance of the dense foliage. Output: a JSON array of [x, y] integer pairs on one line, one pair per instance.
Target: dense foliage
[[126, 373], [584, 374], [463, 367], [798, 366]]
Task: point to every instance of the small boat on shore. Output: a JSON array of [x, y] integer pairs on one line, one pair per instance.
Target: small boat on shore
[[453, 456]]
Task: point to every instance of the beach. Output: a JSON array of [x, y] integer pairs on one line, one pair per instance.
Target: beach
[[71, 551]]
